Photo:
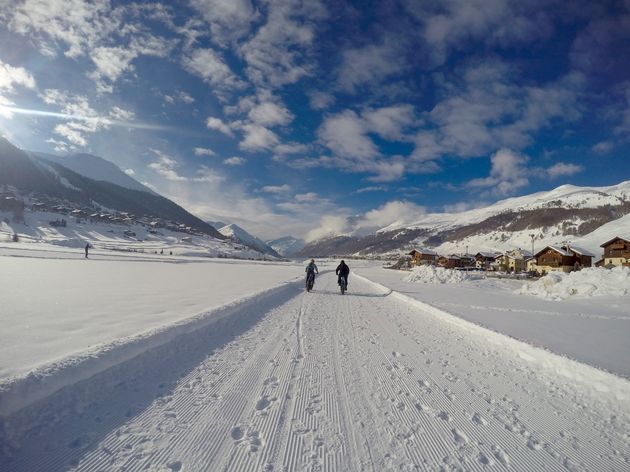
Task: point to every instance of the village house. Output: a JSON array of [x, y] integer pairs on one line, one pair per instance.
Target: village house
[[513, 261], [616, 252], [484, 260], [422, 257], [449, 262], [562, 259]]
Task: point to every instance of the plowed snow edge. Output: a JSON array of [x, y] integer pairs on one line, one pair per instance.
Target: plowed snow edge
[[598, 382], [20, 392]]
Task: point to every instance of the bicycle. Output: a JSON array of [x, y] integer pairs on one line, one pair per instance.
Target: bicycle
[[310, 281], [343, 284]]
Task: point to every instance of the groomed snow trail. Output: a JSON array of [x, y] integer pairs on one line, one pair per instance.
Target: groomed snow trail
[[365, 381]]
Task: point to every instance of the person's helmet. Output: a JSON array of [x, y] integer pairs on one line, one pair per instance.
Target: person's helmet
[[342, 261], [312, 260]]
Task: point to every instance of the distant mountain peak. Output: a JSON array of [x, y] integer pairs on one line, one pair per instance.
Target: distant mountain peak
[[240, 235]]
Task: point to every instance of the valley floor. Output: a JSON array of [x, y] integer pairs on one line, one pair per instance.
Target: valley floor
[[320, 381]]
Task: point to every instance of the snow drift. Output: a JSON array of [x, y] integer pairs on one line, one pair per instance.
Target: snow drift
[[438, 275], [591, 282]]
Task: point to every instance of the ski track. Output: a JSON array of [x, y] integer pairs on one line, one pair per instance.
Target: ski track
[[324, 382]]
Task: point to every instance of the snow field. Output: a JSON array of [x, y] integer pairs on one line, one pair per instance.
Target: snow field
[[590, 282], [593, 330], [320, 381], [431, 274], [65, 320]]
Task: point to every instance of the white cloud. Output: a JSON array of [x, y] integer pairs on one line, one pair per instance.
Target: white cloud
[[229, 20], [279, 52], [346, 135], [487, 110], [218, 125], [207, 175], [166, 167], [234, 161], [120, 114], [329, 225], [275, 189], [603, 147], [562, 169], [395, 212], [270, 114], [210, 66], [453, 24], [10, 77], [370, 65], [290, 148], [390, 122], [320, 100], [373, 188], [258, 138], [507, 174], [77, 24], [200, 151], [510, 172]]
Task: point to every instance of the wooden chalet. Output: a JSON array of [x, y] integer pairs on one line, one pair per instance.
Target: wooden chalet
[[616, 252], [423, 257], [483, 260], [450, 262], [562, 259]]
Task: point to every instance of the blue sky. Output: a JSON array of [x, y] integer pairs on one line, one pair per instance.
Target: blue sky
[[288, 116]]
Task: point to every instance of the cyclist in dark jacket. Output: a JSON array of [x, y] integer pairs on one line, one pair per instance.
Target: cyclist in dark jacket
[[342, 271]]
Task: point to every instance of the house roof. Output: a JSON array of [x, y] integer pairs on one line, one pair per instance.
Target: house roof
[[559, 250], [486, 254], [579, 250], [613, 240], [423, 251]]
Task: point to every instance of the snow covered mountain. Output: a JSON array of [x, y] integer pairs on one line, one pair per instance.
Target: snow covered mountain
[[239, 235], [95, 168], [287, 245], [567, 213], [51, 181]]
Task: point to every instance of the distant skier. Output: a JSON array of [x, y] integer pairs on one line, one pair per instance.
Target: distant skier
[[342, 271], [87, 248]]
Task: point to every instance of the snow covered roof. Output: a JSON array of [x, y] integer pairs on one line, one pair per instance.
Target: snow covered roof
[[424, 251], [486, 254], [614, 239], [580, 251], [559, 250]]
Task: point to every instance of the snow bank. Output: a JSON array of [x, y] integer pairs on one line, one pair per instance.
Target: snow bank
[[592, 282], [438, 275]]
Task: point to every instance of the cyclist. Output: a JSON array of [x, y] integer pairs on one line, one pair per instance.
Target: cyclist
[[342, 271], [311, 270]]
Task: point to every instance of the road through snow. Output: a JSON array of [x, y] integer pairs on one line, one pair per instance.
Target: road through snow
[[320, 381]]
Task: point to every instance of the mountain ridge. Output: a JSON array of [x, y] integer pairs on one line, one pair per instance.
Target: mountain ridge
[[552, 217]]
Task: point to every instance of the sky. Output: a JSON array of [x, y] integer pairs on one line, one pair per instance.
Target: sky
[[287, 116]]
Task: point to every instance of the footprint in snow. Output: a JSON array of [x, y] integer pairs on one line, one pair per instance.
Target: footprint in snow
[[478, 419], [237, 433], [459, 436], [264, 403], [443, 415], [175, 466]]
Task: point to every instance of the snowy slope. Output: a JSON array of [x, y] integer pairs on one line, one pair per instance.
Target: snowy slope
[[36, 231], [565, 214], [95, 168], [287, 245], [239, 235]]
